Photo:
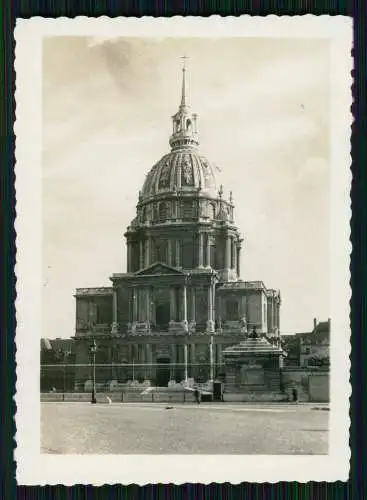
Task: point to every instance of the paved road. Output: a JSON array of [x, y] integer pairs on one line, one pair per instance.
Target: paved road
[[184, 428]]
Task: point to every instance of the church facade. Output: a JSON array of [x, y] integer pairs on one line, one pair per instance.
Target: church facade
[[181, 301]]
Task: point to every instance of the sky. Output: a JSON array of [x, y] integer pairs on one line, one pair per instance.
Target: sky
[[263, 107]]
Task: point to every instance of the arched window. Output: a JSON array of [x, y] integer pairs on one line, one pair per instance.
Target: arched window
[[211, 211], [188, 125]]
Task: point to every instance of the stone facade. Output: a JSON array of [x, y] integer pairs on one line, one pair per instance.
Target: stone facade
[[181, 301]]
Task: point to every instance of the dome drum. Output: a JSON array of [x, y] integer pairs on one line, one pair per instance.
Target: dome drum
[[177, 209]]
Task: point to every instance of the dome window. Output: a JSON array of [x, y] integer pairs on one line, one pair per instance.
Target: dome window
[[188, 125], [187, 210], [211, 211], [143, 214], [162, 212]]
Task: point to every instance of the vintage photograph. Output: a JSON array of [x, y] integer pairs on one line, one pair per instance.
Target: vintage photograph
[[186, 213]]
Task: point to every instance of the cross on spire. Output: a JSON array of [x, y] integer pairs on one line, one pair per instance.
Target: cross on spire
[[184, 62]]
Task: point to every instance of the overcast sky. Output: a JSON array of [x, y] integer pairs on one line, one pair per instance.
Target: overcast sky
[[263, 108]]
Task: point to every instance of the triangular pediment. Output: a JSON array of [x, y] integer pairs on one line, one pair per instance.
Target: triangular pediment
[[159, 268]]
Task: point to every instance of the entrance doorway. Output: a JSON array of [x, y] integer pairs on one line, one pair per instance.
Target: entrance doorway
[[162, 315], [163, 372]]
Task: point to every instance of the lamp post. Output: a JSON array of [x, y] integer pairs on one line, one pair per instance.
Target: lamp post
[[93, 350], [65, 355]]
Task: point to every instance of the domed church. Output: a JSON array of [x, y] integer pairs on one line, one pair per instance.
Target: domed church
[[181, 301]]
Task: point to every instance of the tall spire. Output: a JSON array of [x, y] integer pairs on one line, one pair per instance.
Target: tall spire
[[185, 123], [183, 95]]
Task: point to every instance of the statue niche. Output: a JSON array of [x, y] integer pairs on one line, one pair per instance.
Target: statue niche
[[187, 174]]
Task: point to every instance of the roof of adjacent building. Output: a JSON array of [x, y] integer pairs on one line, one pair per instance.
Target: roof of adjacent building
[[101, 290]]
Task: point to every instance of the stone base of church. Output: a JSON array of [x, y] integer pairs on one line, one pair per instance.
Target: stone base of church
[[254, 397]]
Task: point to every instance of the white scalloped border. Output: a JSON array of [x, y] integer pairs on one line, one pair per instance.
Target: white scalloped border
[[33, 468]]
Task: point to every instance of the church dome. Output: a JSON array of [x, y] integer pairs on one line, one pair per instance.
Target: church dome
[[183, 169]]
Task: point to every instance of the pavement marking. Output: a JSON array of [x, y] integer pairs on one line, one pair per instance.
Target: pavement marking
[[272, 408], [156, 407]]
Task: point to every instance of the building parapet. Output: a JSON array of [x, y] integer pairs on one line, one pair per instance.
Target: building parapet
[[104, 290]]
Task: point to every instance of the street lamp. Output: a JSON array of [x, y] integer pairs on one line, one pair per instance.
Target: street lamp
[[93, 350], [64, 355]]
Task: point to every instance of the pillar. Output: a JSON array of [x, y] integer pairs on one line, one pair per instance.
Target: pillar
[[208, 251], [178, 262], [141, 254], [169, 251], [210, 325], [147, 304], [184, 304], [213, 303], [185, 362], [135, 305], [228, 252], [234, 254], [172, 301], [128, 257], [201, 249], [238, 261], [211, 359], [114, 311], [193, 304], [147, 252]]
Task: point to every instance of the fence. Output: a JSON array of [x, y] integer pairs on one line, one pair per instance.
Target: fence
[[69, 378]]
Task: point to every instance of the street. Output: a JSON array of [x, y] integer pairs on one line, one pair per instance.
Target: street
[[138, 428]]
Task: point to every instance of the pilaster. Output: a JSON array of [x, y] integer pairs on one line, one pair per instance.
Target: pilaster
[[208, 244], [172, 296], [238, 261], [210, 322], [184, 309], [169, 251], [135, 305], [141, 254], [201, 249], [114, 312], [211, 358], [178, 251], [228, 252], [185, 362]]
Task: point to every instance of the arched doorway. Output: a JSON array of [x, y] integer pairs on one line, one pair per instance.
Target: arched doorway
[[163, 372]]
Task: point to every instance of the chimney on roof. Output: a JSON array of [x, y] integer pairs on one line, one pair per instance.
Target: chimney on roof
[[314, 324]]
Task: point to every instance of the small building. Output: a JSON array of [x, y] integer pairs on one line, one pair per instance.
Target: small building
[[308, 348], [315, 346]]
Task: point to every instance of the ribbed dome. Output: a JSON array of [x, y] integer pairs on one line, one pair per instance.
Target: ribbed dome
[[180, 170]]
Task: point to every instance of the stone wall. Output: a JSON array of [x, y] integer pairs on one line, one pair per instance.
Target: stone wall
[[311, 384], [128, 396], [254, 310]]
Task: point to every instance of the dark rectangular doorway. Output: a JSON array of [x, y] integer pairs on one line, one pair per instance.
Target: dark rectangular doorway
[[163, 372], [162, 316]]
